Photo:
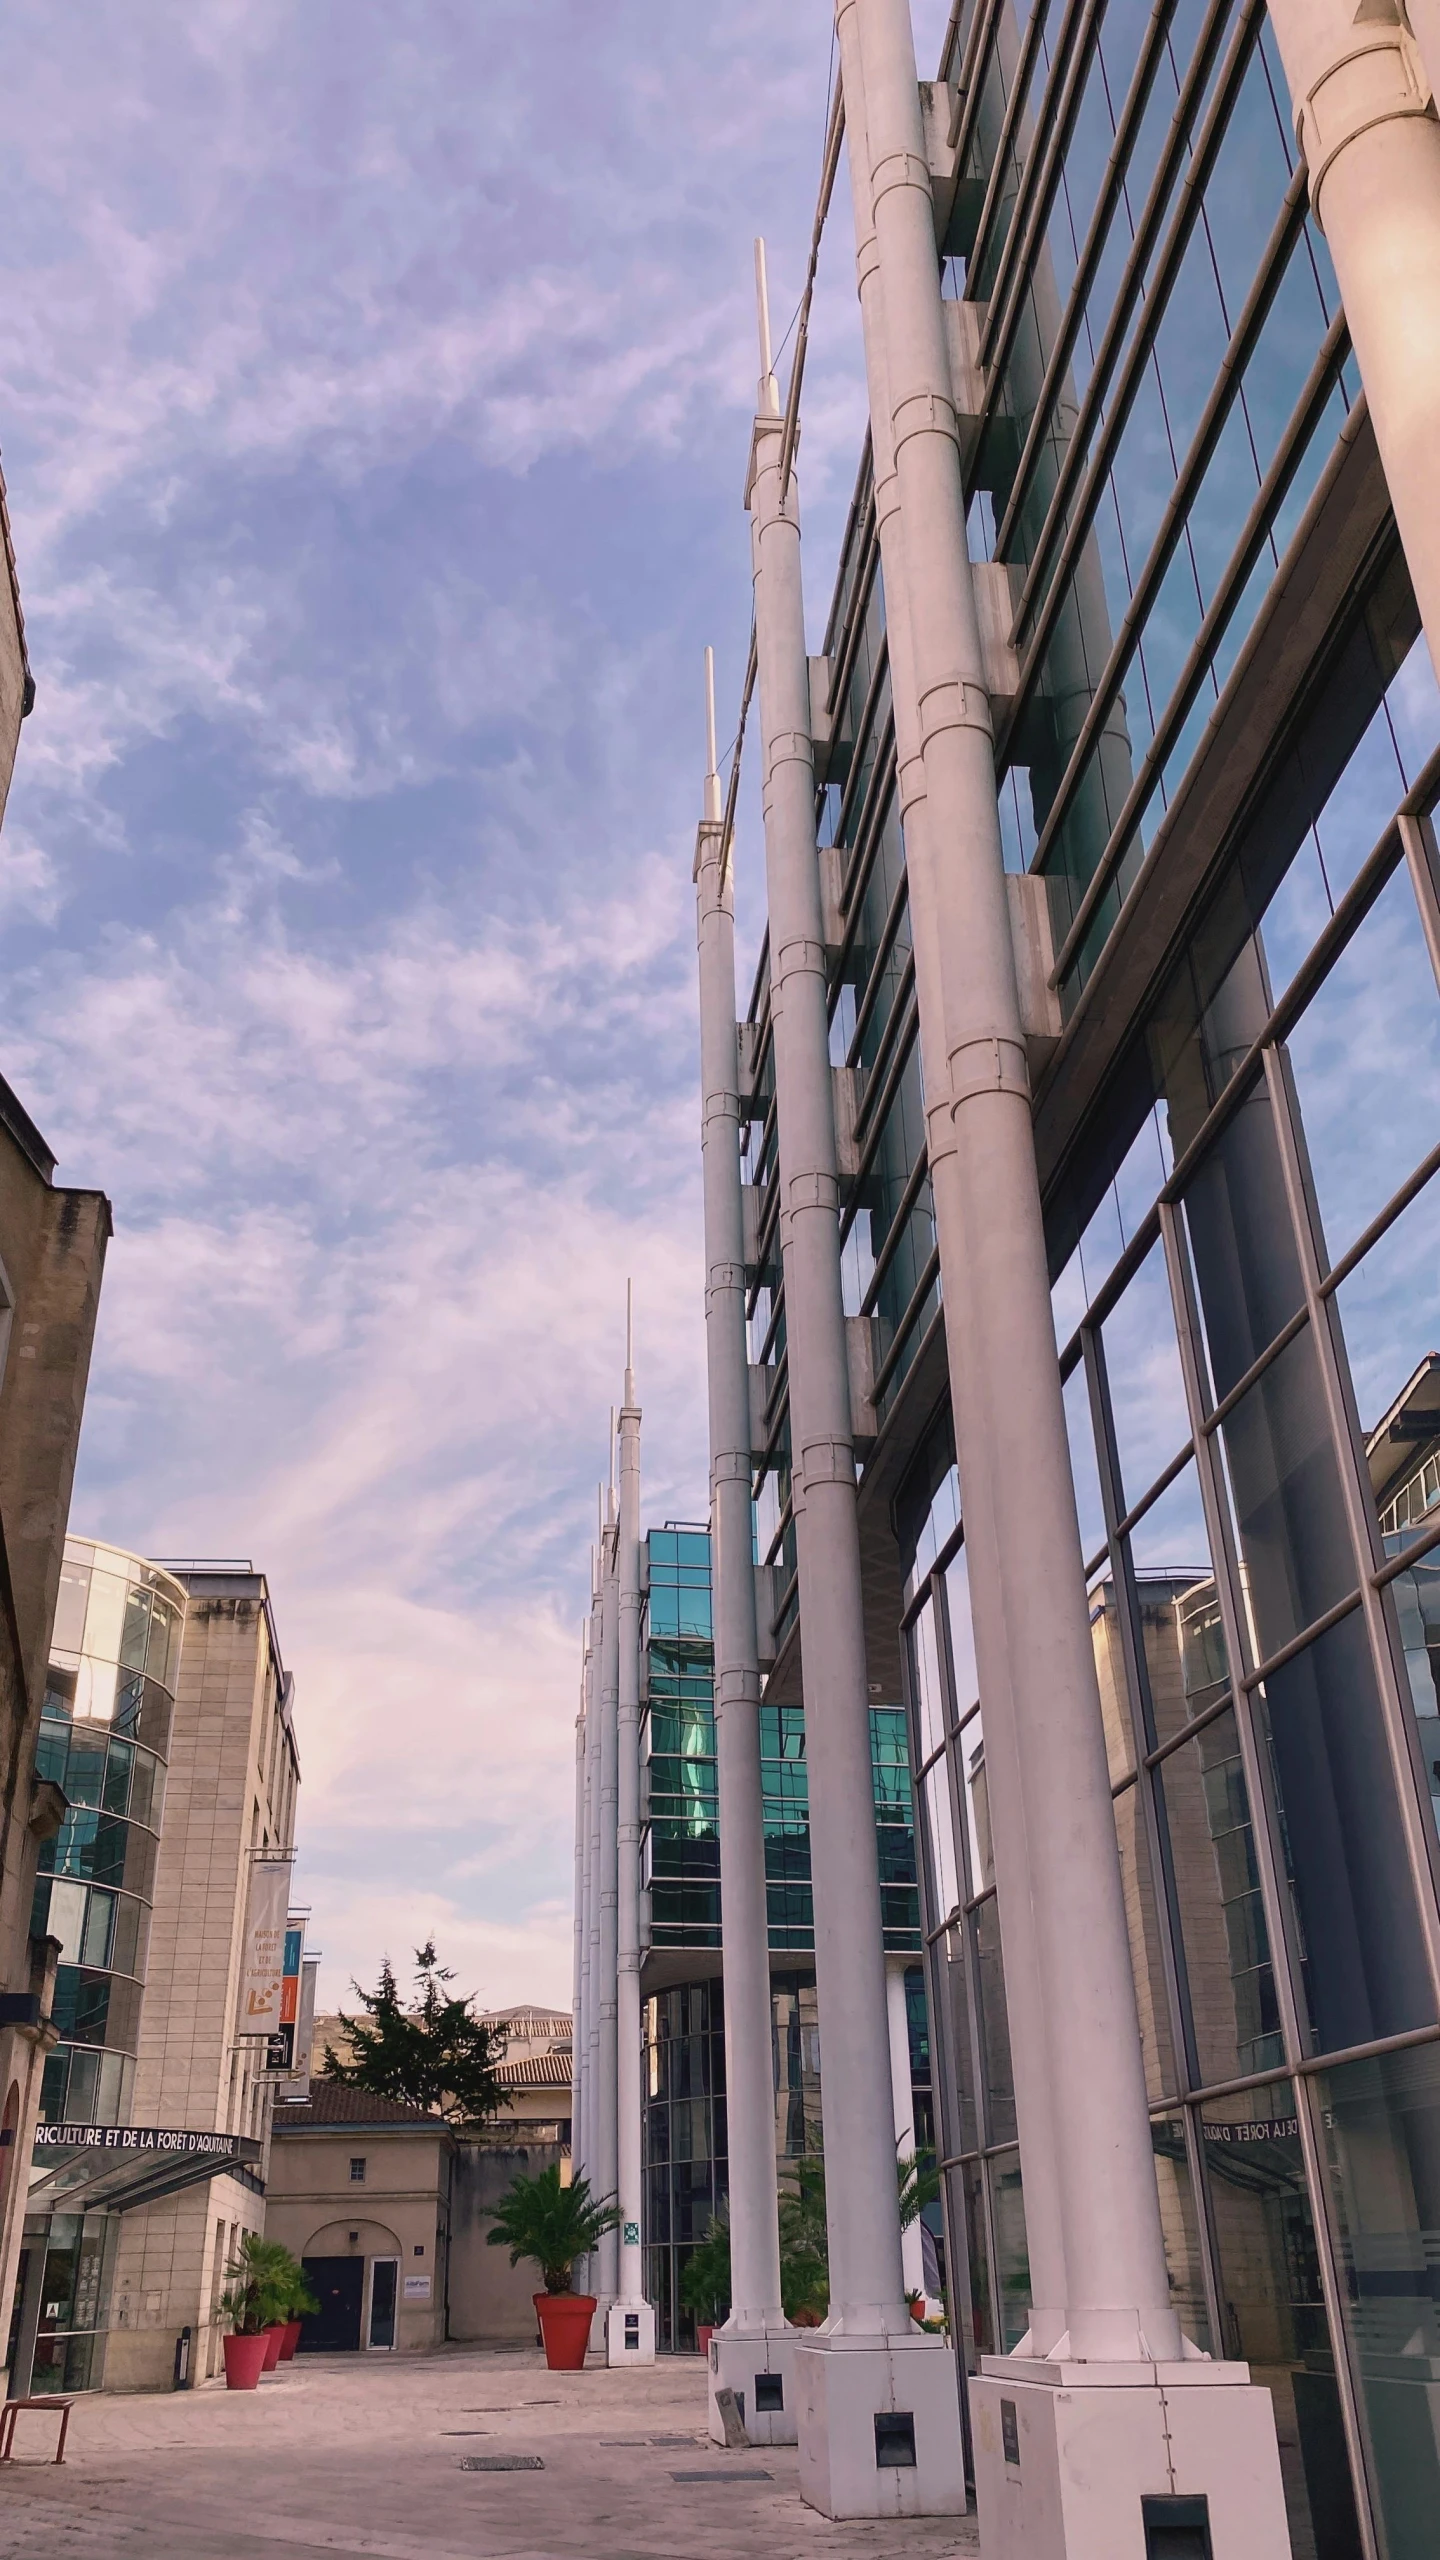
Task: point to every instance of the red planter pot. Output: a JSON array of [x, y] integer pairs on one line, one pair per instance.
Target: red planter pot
[[274, 2338], [565, 2327], [245, 2360], [703, 2334], [290, 2339]]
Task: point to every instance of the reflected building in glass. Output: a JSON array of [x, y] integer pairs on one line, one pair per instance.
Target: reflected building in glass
[[1216, 734], [104, 1738]]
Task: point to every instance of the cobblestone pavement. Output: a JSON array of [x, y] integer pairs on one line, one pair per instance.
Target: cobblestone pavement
[[350, 2454]]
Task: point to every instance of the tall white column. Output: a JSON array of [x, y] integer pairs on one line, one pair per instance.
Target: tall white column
[[630, 2335], [1023, 1998], [1031, 1627], [607, 2163], [1361, 89], [755, 2338], [582, 1950], [850, 2375], [592, 1880], [902, 2093]]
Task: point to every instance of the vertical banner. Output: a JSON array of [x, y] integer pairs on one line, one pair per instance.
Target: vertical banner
[[296, 2087], [262, 1969], [280, 2044]]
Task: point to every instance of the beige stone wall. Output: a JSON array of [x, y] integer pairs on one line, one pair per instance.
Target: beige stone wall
[[232, 1787], [489, 2298], [399, 2211]]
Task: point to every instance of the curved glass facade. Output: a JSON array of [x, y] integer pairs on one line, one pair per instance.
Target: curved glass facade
[[104, 1738]]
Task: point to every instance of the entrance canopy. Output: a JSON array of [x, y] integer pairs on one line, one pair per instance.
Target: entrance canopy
[[77, 2168]]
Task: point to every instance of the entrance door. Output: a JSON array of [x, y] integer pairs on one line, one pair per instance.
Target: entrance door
[[338, 2285], [384, 2281]]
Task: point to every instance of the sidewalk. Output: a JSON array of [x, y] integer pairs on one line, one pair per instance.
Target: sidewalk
[[351, 2454]]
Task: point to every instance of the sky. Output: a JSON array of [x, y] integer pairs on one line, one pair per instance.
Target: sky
[[374, 404]]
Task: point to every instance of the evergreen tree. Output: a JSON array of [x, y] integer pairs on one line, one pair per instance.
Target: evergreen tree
[[434, 2054]]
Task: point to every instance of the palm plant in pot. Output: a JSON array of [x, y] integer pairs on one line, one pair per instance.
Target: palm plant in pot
[[553, 2225], [256, 2303], [300, 2305], [705, 2283]]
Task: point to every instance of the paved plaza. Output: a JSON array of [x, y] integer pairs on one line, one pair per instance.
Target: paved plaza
[[365, 2455]]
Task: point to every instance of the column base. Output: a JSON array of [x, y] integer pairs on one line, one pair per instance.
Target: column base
[[879, 2425], [1087, 2462], [630, 2333], [758, 2365], [599, 2327]]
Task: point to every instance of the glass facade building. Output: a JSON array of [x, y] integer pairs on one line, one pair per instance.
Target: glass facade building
[[105, 1738], [1217, 747], [685, 2158]]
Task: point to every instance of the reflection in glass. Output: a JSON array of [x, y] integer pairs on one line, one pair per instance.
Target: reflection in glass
[[967, 2207], [1234, 2012], [942, 1873], [970, 1749], [994, 2024], [1294, 1537], [1365, 1056], [1182, 2230], [1272, 2308], [1012, 2253], [950, 1969], [1391, 1329], [1083, 1462], [929, 1694], [1147, 1390], [1364, 1961], [1381, 2123], [1147, 1961]]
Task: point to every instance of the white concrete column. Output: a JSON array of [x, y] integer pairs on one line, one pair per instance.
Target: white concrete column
[[755, 2338], [592, 1881], [849, 2375], [1031, 1621], [1023, 1997], [1361, 89], [912, 2257], [582, 1947], [630, 2337], [607, 2165]]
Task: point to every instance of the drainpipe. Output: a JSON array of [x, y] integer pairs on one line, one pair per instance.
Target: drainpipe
[[1023, 2000], [630, 2334], [755, 2337], [1031, 1621], [1362, 92], [847, 2373]]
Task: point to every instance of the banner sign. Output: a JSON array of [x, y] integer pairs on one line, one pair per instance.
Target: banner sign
[[134, 2137], [280, 2044], [297, 2086], [262, 1971]]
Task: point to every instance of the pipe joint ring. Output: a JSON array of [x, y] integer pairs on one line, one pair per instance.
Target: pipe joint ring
[[899, 169], [729, 1466], [801, 958], [788, 746], [829, 1461], [988, 1065], [924, 413], [956, 704], [817, 1190], [1378, 81]]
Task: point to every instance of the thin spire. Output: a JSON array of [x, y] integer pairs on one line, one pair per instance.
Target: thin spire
[[768, 401], [712, 761]]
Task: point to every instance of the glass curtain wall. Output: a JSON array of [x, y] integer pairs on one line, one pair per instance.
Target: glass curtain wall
[[1244, 1222], [105, 1738]]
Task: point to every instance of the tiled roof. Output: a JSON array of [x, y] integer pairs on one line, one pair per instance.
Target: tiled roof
[[330, 2102], [537, 2071]]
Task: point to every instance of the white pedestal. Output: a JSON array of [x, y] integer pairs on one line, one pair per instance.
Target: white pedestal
[[759, 2367], [630, 2333], [1065, 2455], [850, 2465]]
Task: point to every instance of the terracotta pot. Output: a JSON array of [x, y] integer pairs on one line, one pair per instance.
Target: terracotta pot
[[245, 2359], [274, 2338], [806, 2319], [704, 2332], [565, 2327], [290, 2339]]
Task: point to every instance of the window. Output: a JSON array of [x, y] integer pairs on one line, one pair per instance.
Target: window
[[357, 2173]]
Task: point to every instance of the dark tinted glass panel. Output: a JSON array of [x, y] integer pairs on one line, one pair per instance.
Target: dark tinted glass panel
[[1233, 2007]]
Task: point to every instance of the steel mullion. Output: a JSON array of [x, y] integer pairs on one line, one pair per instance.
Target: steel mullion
[[1225, 391], [882, 1069], [878, 674], [976, 72], [890, 1245], [1204, 2224], [909, 1033], [1254, 535], [1422, 1853], [1422, 857], [1074, 53], [968, 1953], [1015, 107], [870, 992], [906, 1325], [1140, 1706], [1353, 2415], [1135, 287]]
